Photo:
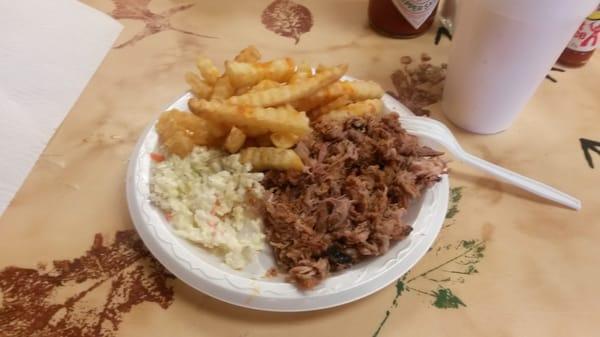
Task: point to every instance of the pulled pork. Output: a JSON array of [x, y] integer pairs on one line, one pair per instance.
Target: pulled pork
[[348, 203]]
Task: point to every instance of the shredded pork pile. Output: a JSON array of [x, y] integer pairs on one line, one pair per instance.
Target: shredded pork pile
[[348, 203]]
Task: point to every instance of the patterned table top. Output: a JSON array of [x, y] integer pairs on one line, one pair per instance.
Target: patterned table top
[[505, 263]]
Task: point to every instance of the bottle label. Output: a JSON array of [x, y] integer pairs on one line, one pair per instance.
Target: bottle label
[[587, 35], [415, 11]]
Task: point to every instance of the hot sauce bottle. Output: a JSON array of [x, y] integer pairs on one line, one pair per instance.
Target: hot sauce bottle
[[582, 45], [402, 18]]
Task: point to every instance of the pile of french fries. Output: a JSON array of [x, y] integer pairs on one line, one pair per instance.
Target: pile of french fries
[[261, 109]]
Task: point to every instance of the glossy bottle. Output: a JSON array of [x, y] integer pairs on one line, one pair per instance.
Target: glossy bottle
[[583, 44], [402, 18]]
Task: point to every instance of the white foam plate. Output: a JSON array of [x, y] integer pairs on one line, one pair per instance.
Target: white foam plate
[[249, 287]]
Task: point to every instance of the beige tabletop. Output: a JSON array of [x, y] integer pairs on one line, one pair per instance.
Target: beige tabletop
[[505, 263]]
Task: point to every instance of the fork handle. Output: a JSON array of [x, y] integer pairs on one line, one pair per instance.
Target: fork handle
[[528, 184]]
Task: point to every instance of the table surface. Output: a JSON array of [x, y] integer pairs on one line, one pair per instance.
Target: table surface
[[505, 264]]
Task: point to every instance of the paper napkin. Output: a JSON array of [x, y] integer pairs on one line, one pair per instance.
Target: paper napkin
[[48, 52]]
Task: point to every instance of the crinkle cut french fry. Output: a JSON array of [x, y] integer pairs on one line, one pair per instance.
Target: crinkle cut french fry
[[249, 54], [207, 69], [305, 68], [235, 140], [290, 92], [199, 87], [223, 88], [321, 97], [172, 135], [333, 105], [252, 120], [270, 158], [179, 131], [355, 90], [179, 144], [221, 113], [243, 74], [320, 68], [197, 128], [304, 71], [172, 121], [264, 85], [284, 140], [242, 90], [362, 108]]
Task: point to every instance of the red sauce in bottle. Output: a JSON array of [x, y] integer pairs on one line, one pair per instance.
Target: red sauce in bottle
[[573, 58], [402, 18], [583, 44]]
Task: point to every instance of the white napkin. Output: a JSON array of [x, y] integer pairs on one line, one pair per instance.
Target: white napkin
[[49, 49]]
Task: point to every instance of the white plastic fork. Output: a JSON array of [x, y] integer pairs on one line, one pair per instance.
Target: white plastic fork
[[440, 134]]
